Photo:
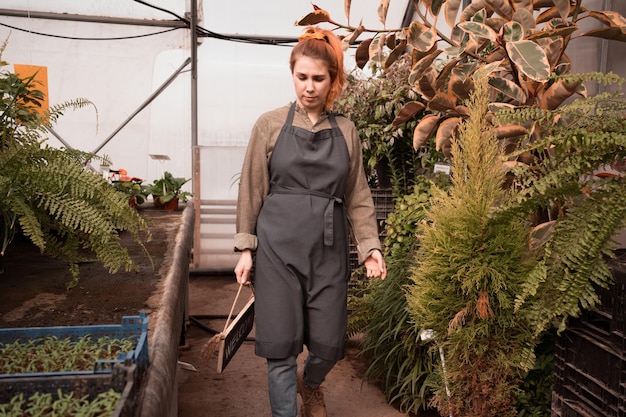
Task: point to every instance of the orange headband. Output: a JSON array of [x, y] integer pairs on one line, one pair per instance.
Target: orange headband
[[313, 35]]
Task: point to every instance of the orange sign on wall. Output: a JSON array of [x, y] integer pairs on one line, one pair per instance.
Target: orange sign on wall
[[40, 81]]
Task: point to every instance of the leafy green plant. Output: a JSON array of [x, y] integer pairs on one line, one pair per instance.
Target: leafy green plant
[[133, 188], [49, 405], [48, 195], [534, 397], [372, 103], [395, 355], [51, 354], [169, 187]]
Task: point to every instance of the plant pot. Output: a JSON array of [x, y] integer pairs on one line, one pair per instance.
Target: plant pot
[[171, 205], [156, 200]]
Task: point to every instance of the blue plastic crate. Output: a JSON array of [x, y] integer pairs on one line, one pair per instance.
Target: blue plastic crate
[[134, 327]]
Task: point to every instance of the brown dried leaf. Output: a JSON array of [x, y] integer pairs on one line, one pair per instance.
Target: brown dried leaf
[[346, 9], [313, 18], [483, 308], [383, 8], [353, 36], [458, 320]]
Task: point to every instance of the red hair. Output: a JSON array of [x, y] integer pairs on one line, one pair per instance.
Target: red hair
[[322, 44]]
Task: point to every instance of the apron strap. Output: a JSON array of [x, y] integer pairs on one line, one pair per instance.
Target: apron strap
[[328, 211]]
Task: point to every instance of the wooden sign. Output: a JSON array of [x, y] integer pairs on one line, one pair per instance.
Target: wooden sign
[[234, 335]]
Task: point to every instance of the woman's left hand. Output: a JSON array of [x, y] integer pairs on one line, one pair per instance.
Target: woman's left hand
[[375, 265]]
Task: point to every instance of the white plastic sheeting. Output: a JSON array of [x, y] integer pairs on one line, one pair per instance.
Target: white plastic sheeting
[[236, 81]]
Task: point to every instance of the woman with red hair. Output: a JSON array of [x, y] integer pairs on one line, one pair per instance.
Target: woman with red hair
[[302, 185]]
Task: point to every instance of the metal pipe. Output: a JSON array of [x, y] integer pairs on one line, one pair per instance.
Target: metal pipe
[[268, 40], [145, 103], [94, 19], [194, 73], [56, 135]]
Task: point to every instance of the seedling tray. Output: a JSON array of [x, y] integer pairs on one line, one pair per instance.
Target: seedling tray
[[131, 327], [122, 379]]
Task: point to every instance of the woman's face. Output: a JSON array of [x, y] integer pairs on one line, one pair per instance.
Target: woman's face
[[311, 81]]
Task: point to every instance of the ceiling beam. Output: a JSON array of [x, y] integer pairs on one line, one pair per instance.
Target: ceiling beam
[[29, 14]]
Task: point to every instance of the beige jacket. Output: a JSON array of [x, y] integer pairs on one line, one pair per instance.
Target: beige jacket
[[254, 181]]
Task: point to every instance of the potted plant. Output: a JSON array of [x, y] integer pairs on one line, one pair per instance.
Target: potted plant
[[133, 188], [167, 191]]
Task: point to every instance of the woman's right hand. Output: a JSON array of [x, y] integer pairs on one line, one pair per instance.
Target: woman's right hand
[[244, 266]]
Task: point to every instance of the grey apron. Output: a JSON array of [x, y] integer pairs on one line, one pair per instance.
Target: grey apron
[[301, 266]]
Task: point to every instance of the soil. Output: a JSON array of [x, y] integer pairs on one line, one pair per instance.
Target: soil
[[33, 293]]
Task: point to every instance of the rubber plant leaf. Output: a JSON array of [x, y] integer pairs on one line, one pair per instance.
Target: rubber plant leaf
[[376, 49], [526, 19], [424, 130], [512, 32], [501, 8], [421, 37], [346, 9], [460, 87], [478, 30], [447, 129], [616, 23], [426, 84], [362, 54], [563, 7], [530, 59], [555, 13], [422, 65], [557, 93], [609, 18], [407, 112], [562, 31], [435, 6], [474, 8], [451, 10], [510, 131], [395, 54], [442, 102], [353, 36], [509, 89]]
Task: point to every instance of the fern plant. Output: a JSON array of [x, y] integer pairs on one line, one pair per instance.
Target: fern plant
[[574, 173], [47, 194]]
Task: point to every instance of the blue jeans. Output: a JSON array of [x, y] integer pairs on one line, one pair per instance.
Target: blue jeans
[[282, 381]]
